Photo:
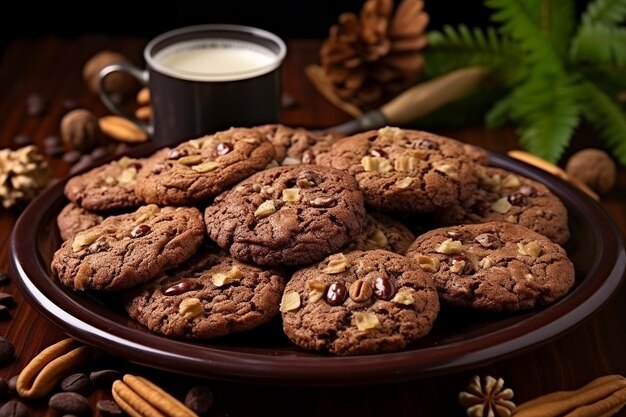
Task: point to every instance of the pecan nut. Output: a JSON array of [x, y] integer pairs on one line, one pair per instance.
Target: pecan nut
[[139, 397], [44, 371]]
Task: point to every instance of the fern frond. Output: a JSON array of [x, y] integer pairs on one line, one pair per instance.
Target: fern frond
[[604, 12], [608, 77], [500, 112], [558, 19], [607, 117], [454, 48], [601, 44], [547, 110], [521, 20]]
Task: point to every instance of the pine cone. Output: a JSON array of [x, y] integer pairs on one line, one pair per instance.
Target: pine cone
[[23, 174], [371, 58]]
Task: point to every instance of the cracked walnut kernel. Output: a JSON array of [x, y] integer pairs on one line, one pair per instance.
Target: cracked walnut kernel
[[449, 247], [490, 400], [190, 308], [365, 320], [265, 209], [290, 301], [530, 249], [336, 264], [428, 264], [220, 279]]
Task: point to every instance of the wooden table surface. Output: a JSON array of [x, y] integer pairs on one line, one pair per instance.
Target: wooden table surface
[[52, 66]]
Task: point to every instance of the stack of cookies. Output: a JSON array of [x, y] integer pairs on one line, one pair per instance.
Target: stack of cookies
[[225, 233]]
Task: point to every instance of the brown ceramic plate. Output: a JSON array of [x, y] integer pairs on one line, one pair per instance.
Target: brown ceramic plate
[[457, 341]]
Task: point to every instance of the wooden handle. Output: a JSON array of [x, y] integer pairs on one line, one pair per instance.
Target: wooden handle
[[424, 98]]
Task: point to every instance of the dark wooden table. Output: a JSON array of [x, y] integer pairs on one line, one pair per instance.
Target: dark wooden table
[[52, 66]]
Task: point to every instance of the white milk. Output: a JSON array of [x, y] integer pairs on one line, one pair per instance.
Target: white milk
[[217, 59]]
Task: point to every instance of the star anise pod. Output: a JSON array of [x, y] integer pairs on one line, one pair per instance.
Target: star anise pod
[[490, 400]]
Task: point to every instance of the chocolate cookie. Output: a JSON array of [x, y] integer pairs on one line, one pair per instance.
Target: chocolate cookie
[[495, 266], [359, 303], [296, 146], [111, 186], [129, 249], [382, 232], [202, 168], [213, 296], [287, 215], [504, 196], [405, 170], [73, 219]]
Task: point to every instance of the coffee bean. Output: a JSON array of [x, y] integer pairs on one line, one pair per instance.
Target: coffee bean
[[488, 240], [82, 163], [14, 409], [69, 105], [12, 383], [378, 152], [7, 351], [181, 287], [51, 141], [4, 278], [336, 294], [54, 151], [7, 299], [23, 140], [104, 377], [518, 199], [288, 101], [527, 190], [79, 383], [223, 148], [4, 312], [71, 157], [36, 105], [141, 230], [384, 288], [99, 152], [360, 291], [70, 403], [428, 144], [109, 408], [199, 399], [4, 386]]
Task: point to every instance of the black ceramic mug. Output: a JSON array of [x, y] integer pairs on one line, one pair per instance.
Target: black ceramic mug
[[207, 78]]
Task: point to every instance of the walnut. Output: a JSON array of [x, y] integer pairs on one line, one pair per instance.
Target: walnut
[[23, 174], [364, 320], [336, 264], [190, 308], [265, 209], [118, 82], [491, 400], [80, 130], [449, 247], [290, 301], [220, 279], [593, 167]]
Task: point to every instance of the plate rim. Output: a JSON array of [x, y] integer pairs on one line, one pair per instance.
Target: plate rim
[[215, 363]]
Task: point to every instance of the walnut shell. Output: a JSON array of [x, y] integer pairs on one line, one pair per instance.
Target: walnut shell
[[80, 130], [117, 82], [593, 167]]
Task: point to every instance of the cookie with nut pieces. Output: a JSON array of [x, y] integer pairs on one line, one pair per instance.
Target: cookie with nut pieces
[[401, 170], [73, 219], [202, 168], [505, 196], [129, 249], [291, 215], [108, 187], [496, 266], [211, 295], [358, 303]]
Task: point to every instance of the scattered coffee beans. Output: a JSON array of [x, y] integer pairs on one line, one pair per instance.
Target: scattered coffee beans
[[36, 105], [23, 140], [12, 383], [109, 408], [4, 312], [70, 403], [104, 377], [199, 399], [4, 278], [4, 386], [7, 299], [14, 409], [7, 351], [79, 383], [71, 157]]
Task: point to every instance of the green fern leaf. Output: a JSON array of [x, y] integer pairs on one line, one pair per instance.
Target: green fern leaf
[[499, 113], [601, 44], [522, 20], [454, 48], [607, 117], [547, 111], [604, 12]]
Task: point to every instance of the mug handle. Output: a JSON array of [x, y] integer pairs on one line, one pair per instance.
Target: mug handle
[[140, 75]]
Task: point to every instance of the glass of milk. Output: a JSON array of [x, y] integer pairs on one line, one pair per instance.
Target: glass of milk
[[207, 78]]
